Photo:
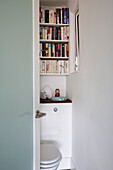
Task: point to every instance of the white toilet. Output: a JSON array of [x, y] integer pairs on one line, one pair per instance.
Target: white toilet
[[50, 157]]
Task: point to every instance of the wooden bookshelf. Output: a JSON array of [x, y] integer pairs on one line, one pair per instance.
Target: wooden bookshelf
[[49, 101]]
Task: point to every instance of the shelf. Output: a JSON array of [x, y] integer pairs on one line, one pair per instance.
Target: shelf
[[53, 25], [54, 58], [49, 101], [53, 74], [55, 41]]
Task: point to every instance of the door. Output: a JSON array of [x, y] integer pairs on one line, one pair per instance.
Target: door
[[16, 86], [36, 101]]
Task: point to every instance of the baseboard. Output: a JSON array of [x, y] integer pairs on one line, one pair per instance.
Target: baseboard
[[67, 163], [73, 167]]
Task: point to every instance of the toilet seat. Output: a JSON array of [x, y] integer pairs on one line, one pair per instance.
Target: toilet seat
[[50, 156]]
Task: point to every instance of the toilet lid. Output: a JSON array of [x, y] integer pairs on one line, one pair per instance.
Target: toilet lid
[[49, 154]]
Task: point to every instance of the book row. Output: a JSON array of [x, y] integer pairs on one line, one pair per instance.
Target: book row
[[54, 66], [56, 16], [54, 33], [54, 50]]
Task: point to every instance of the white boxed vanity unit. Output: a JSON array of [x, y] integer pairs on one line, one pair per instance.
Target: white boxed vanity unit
[[56, 129]]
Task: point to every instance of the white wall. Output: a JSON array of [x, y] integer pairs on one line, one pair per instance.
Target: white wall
[[91, 90], [50, 83]]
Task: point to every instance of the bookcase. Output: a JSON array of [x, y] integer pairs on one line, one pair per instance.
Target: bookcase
[[54, 41]]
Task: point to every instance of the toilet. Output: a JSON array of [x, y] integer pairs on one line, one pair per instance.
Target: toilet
[[50, 157]]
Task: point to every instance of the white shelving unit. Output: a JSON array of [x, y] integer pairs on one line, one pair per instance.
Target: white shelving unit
[[54, 58], [50, 81], [53, 25], [55, 41], [53, 74]]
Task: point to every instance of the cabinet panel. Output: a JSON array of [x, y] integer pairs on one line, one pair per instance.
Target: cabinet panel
[[56, 126]]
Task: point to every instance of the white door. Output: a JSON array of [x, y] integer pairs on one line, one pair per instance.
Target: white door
[[16, 84]]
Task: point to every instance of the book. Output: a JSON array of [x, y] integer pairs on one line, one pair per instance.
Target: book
[[58, 50], [63, 50], [62, 33], [67, 33], [67, 15], [49, 50], [46, 32], [62, 15], [50, 19], [40, 50], [65, 21], [46, 50], [56, 34], [41, 32], [59, 34], [46, 16], [43, 49], [57, 16], [54, 16], [39, 14], [47, 66]]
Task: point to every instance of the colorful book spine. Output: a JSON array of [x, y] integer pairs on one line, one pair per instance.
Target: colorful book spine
[[57, 16], [46, 31], [40, 14], [46, 50], [54, 16], [67, 50], [54, 66], [67, 15], [62, 15], [62, 33], [46, 16], [63, 50], [59, 34], [41, 32], [65, 33], [40, 49], [58, 50], [65, 22], [56, 34], [50, 19], [49, 35], [49, 50]]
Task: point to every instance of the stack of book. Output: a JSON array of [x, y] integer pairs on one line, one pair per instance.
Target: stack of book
[[54, 50], [56, 16], [54, 33], [54, 66]]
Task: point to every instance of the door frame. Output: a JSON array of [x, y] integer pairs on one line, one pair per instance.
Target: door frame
[[36, 82]]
